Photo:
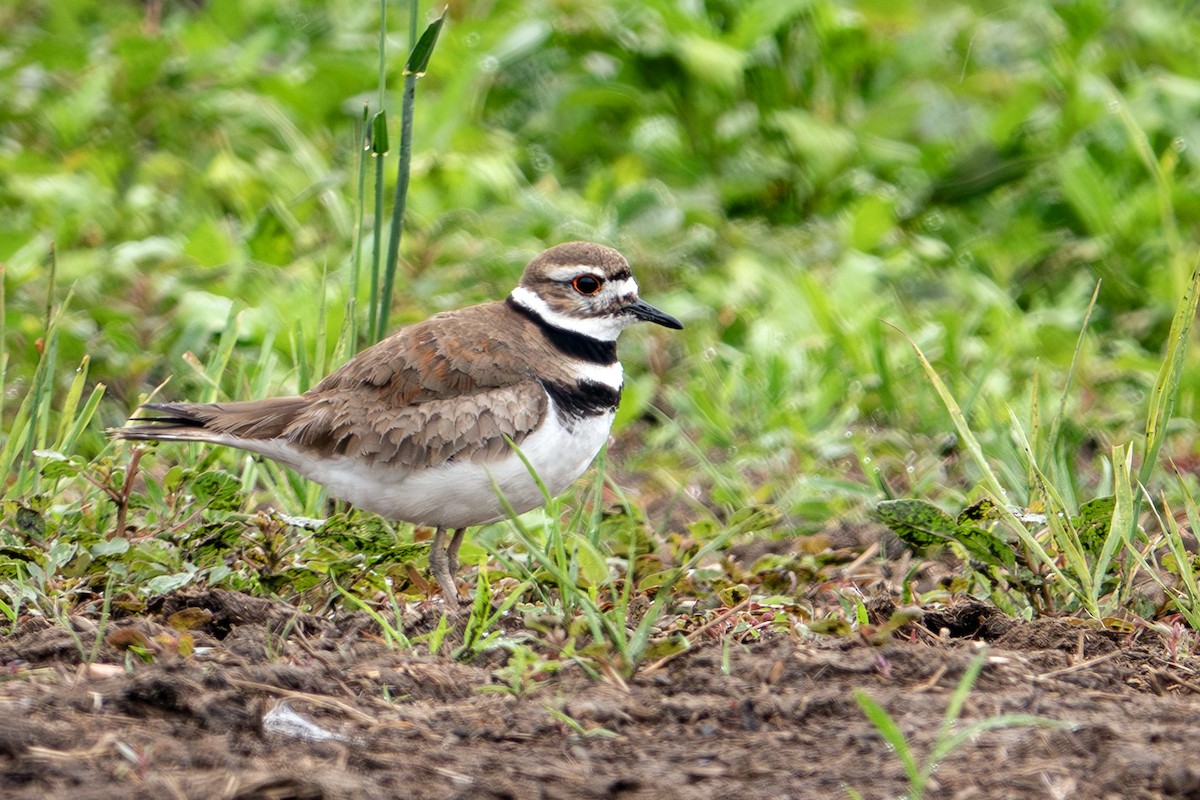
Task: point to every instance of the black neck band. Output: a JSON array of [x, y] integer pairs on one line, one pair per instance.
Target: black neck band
[[575, 345], [582, 399]]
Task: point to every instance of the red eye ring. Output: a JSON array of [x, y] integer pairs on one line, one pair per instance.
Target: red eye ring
[[587, 284]]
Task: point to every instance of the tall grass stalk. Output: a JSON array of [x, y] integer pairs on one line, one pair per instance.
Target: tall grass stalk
[[379, 150], [384, 299], [1165, 393], [418, 61], [350, 323]]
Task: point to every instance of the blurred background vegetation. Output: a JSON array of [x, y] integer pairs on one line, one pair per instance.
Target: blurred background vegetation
[[787, 176]]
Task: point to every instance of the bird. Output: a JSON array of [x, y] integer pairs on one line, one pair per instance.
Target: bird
[[425, 426]]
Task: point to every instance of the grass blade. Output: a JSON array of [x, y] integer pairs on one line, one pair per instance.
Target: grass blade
[[350, 324], [1122, 522], [959, 419], [891, 733], [419, 56], [379, 150], [1166, 385]]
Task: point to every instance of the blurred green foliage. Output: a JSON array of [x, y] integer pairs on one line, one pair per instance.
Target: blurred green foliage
[[786, 175]]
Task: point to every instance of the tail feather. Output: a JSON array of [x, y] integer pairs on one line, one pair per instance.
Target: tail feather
[[235, 424]]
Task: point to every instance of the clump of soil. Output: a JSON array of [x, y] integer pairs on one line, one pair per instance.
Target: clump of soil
[[276, 704]]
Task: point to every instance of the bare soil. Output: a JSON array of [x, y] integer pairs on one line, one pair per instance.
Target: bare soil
[[276, 704]]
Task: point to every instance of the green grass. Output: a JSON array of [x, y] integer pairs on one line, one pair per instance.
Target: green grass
[[950, 735], [884, 226]]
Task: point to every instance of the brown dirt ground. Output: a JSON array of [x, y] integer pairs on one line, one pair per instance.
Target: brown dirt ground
[[781, 722]]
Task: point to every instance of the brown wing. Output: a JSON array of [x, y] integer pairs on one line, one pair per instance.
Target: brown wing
[[470, 426], [429, 393]]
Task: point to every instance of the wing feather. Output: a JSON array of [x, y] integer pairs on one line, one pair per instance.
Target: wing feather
[[433, 392]]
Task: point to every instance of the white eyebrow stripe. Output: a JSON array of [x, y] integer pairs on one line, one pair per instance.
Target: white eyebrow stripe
[[569, 271]]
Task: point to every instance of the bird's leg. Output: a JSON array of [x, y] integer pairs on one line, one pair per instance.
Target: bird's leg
[[440, 567], [452, 549]]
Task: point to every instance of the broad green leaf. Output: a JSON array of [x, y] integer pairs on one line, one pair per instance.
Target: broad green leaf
[[109, 547], [593, 567], [919, 524]]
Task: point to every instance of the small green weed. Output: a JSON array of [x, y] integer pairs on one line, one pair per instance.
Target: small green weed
[[950, 735], [586, 591]]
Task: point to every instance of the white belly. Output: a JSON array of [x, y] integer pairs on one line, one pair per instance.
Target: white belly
[[461, 494]]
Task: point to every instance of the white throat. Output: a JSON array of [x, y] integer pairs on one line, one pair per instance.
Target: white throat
[[606, 328]]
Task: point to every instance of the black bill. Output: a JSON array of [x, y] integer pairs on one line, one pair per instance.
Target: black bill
[[643, 310]]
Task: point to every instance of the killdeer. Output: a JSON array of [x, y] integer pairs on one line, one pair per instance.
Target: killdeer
[[414, 428]]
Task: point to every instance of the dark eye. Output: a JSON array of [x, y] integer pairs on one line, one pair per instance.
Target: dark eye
[[587, 284]]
